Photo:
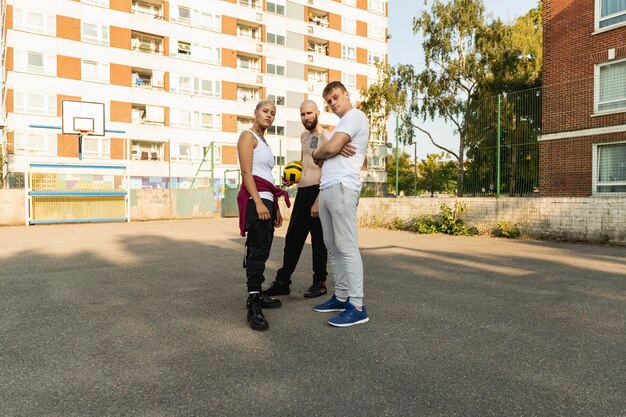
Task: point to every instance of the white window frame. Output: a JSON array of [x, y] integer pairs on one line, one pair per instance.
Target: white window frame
[[248, 94], [375, 32], [49, 143], [102, 145], [600, 19], [348, 25], [102, 34], [597, 88], [216, 120], [103, 73], [22, 62], [175, 83], [146, 9], [596, 171], [23, 103], [207, 53], [277, 129], [276, 36], [278, 97], [24, 20], [278, 7], [210, 21], [254, 64], [216, 87], [348, 80], [371, 55], [348, 52], [377, 6], [351, 3], [182, 49], [176, 15], [276, 66], [101, 3], [181, 118]]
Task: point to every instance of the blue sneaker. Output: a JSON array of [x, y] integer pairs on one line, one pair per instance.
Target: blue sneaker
[[331, 305], [349, 317]]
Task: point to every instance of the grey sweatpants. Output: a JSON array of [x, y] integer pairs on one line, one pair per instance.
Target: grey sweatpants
[[338, 217]]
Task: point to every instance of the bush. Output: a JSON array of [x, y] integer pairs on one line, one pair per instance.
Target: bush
[[506, 229]]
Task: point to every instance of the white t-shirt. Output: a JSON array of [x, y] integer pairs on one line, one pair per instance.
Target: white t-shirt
[[262, 164], [340, 169]]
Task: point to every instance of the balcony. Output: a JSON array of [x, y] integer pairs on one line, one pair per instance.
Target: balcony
[[317, 17], [146, 78], [320, 48], [147, 151], [250, 31], [151, 9], [145, 114], [146, 43], [248, 93]]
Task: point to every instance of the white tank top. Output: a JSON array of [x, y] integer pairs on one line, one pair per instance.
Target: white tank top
[[262, 164]]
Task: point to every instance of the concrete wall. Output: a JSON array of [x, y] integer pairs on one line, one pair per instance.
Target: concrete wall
[[12, 207], [579, 219]]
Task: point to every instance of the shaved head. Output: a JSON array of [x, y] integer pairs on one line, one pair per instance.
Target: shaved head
[[307, 104]]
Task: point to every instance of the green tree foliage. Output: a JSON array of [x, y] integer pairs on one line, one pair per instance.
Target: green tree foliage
[[466, 57], [437, 175], [406, 173]]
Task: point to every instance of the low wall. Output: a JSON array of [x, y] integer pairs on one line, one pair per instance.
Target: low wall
[[592, 219], [12, 207], [161, 204]]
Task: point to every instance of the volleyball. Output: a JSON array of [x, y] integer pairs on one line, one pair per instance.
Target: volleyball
[[292, 171]]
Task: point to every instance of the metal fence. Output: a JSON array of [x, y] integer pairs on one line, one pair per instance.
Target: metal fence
[[501, 149]]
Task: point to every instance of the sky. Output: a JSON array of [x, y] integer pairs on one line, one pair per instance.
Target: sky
[[403, 48]]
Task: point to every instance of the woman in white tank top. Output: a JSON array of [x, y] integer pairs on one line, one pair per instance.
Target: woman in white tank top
[[259, 215]]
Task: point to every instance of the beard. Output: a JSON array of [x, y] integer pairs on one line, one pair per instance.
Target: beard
[[311, 125]]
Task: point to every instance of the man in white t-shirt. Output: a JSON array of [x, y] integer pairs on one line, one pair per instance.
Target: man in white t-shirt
[[340, 187]]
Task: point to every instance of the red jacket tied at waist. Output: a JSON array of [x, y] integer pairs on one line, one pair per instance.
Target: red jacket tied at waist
[[243, 196]]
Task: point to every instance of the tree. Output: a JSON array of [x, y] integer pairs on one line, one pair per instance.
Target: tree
[[460, 68], [406, 174], [436, 174]]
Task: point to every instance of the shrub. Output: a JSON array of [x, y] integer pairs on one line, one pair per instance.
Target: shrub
[[506, 229]]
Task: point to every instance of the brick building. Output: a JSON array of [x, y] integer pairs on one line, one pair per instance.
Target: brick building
[[176, 76], [583, 143]]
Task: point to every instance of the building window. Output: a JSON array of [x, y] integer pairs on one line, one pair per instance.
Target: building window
[[150, 44], [375, 32], [93, 33], [376, 6], [36, 143], [146, 9], [278, 99], [611, 86], [95, 71], [247, 93], [34, 103], [349, 2], [182, 14], [206, 87], [276, 68], [208, 54], [318, 76], [348, 25], [144, 150], [275, 37], [181, 84], [34, 22], [276, 6], [35, 62], [101, 3], [276, 130], [96, 147], [609, 168], [611, 12], [183, 49], [209, 120], [348, 53], [374, 58], [245, 62], [348, 80], [210, 21], [248, 32]]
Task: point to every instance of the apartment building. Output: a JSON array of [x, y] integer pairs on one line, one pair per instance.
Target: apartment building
[[583, 143], [179, 80]]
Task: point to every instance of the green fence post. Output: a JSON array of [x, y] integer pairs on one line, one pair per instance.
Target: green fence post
[[397, 190], [498, 150]]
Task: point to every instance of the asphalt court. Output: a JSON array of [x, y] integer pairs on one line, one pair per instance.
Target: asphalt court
[[148, 319]]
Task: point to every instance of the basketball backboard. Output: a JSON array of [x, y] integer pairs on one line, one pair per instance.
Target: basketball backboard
[[82, 116]]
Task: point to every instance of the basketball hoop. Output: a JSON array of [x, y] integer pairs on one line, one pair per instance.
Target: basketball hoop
[[81, 133]]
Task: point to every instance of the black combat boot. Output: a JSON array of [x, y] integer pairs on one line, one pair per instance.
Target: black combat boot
[[255, 313]]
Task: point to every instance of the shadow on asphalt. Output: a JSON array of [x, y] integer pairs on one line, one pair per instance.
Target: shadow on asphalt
[[162, 332]]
